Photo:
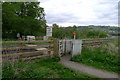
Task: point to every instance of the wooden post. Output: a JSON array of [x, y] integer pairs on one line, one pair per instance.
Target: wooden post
[[65, 47], [49, 50], [55, 53]]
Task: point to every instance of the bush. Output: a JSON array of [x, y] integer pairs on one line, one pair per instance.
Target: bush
[[103, 60], [100, 34], [40, 68], [9, 39]]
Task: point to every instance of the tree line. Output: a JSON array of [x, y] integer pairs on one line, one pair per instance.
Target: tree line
[[66, 32]]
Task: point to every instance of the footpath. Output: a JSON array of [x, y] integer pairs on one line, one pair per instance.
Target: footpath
[[65, 60]]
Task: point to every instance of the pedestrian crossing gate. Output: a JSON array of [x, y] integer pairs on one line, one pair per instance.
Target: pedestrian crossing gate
[[73, 47]]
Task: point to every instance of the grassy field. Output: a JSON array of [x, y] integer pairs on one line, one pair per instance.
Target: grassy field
[[42, 68], [104, 57]]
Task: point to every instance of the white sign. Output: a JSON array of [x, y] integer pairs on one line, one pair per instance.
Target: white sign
[[49, 31]]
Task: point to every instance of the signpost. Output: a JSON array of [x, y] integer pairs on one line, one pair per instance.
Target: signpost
[[49, 31], [74, 33]]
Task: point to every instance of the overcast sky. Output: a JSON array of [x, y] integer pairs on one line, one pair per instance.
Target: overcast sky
[[81, 12]]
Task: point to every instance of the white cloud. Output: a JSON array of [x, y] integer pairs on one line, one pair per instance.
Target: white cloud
[[81, 12]]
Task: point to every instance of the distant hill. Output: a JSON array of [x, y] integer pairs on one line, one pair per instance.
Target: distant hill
[[105, 28], [113, 30]]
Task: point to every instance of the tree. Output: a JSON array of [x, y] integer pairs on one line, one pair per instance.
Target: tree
[[97, 34], [26, 18]]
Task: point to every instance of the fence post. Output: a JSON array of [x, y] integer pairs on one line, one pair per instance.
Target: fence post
[[55, 48], [49, 49], [65, 47]]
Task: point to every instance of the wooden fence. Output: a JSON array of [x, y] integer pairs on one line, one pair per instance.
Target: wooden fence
[[37, 49], [28, 51], [96, 42]]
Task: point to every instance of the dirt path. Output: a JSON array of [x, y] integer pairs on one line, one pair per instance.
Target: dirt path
[[87, 69]]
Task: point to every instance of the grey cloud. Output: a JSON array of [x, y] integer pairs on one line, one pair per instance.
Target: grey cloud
[[42, 1], [60, 18], [106, 13], [119, 13]]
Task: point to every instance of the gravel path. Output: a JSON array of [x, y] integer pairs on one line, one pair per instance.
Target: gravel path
[[87, 69]]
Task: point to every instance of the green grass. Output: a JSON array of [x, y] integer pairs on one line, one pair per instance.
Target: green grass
[[42, 68], [7, 39], [116, 42], [87, 40], [98, 59], [24, 43]]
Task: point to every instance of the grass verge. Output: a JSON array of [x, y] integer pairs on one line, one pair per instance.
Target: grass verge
[[99, 60], [42, 68]]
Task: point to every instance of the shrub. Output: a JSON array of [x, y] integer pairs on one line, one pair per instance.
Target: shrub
[[103, 57]]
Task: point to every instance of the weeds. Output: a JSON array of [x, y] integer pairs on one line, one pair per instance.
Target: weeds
[[42, 68], [103, 57]]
